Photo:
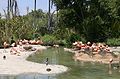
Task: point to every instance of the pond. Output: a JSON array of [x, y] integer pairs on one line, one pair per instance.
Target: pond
[[77, 70]]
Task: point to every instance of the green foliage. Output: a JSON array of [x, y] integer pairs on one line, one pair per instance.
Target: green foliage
[[23, 27], [63, 42], [89, 20], [62, 33], [96, 20], [38, 19], [49, 39], [113, 41], [73, 38]]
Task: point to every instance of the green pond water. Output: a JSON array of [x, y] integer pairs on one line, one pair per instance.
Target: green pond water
[[77, 70]]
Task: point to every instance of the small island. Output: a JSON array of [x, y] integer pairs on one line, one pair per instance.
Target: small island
[[94, 52]]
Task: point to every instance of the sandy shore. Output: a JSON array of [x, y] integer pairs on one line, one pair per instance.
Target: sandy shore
[[15, 65]]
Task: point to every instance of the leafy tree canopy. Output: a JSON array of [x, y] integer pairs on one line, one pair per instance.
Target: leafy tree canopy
[[97, 20]]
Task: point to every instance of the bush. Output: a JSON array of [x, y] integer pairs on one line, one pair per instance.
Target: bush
[[62, 42], [113, 42], [49, 40], [75, 37]]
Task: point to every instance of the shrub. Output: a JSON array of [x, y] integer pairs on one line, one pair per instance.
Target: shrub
[[75, 37], [113, 41], [62, 42], [49, 39]]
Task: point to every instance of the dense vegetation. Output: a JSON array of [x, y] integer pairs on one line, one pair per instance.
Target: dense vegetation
[[94, 20], [86, 20], [28, 26]]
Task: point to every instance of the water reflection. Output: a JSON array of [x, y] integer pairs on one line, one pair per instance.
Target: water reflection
[[55, 57], [82, 63], [7, 77], [29, 76]]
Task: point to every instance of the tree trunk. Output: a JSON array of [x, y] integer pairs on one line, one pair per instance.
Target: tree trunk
[[35, 5], [8, 9], [49, 16]]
